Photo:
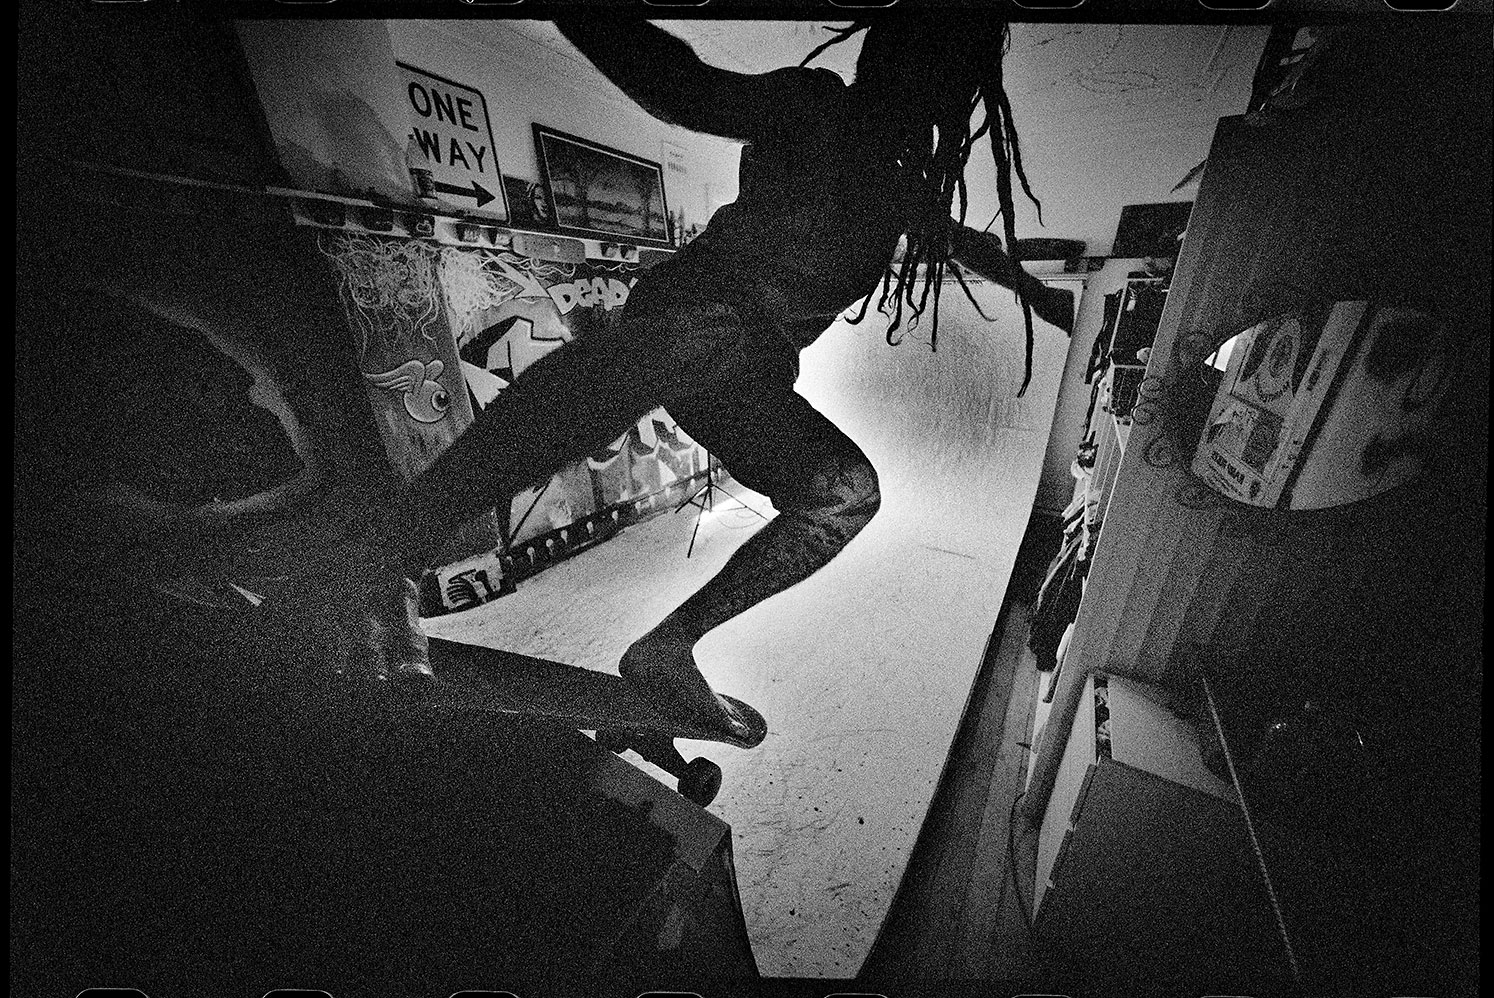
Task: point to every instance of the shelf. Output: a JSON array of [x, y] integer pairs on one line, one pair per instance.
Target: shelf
[[409, 218], [1365, 806], [1144, 868]]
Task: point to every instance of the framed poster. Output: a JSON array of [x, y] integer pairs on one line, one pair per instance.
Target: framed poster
[[596, 192], [1151, 230]]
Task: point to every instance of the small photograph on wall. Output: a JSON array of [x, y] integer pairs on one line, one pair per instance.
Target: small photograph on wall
[[528, 203], [1151, 230], [596, 192]]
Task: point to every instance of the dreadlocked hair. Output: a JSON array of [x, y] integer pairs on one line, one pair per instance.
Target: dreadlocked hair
[[932, 162]]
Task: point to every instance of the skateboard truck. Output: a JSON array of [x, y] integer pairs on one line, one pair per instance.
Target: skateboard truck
[[474, 678], [699, 780]]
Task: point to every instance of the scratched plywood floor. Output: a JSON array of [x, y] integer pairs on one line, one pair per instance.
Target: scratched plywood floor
[[864, 670]]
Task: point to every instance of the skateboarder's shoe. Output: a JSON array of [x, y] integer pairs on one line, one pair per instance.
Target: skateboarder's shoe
[[402, 645], [665, 678], [348, 613]]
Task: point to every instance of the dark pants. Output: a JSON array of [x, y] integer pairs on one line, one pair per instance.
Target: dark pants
[[723, 373]]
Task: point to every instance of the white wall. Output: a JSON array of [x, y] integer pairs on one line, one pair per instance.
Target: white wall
[[331, 89], [329, 93], [1109, 114], [332, 98]]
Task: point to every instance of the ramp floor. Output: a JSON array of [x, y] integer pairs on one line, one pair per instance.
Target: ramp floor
[[864, 670]]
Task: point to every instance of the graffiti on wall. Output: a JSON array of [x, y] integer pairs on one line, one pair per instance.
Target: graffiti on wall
[[509, 312], [393, 294], [518, 334], [646, 461], [469, 583], [441, 332], [392, 291], [416, 384]]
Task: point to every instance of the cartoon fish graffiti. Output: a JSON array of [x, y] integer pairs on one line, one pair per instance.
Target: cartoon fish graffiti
[[425, 399]]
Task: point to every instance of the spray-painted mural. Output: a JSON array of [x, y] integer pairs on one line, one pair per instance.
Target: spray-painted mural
[[425, 399], [509, 311], [441, 331], [392, 292]]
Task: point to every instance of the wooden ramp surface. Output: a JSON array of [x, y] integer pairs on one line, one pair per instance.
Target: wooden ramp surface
[[862, 671]]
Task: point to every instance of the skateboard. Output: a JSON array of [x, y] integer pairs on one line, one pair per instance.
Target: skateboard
[[472, 678]]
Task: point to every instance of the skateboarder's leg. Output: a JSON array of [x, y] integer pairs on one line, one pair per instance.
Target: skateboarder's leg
[[825, 490], [673, 338], [568, 404]]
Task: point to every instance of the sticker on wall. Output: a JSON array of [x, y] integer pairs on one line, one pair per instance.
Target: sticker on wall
[[465, 584], [450, 153], [425, 399]]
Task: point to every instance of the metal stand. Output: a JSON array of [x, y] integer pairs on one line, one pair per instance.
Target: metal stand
[[704, 499]]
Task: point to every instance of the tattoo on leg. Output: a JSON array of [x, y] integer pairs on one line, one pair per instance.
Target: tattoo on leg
[[799, 541], [793, 546]]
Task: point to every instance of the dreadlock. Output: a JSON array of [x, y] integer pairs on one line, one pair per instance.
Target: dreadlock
[[932, 162]]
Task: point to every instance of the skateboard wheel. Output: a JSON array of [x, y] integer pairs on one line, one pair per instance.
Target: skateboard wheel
[[700, 781]]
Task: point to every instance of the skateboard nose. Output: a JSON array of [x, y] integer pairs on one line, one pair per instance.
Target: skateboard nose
[[740, 729]]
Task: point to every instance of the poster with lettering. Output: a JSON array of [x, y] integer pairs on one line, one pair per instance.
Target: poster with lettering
[[509, 311], [450, 151]]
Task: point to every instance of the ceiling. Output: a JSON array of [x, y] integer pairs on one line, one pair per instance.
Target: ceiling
[[1108, 114]]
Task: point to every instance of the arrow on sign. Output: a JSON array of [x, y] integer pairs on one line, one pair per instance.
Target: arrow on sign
[[475, 191]]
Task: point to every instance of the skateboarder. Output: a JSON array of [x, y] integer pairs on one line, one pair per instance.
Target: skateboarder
[[832, 177]]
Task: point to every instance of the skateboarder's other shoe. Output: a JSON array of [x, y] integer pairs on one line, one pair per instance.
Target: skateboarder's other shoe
[[402, 645], [665, 677], [348, 613]]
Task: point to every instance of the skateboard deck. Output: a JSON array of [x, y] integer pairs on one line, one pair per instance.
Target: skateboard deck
[[473, 678]]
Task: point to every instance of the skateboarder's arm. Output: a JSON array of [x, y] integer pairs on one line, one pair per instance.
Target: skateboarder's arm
[[669, 81], [982, 252]]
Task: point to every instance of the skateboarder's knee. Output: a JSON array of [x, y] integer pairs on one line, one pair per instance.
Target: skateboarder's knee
[[845, 496], [860, 492]]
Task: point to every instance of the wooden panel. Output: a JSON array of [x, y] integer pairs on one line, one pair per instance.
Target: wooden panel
[[1145, 735], [1074, 771], [1156, 888], [1335, 201]]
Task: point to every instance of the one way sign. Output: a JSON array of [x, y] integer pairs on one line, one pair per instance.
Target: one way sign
[[451, 137]]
